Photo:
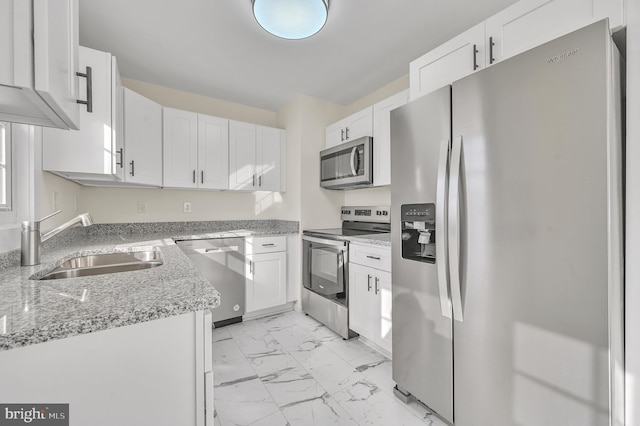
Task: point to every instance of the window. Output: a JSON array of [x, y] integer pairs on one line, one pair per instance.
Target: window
[[6, 158]]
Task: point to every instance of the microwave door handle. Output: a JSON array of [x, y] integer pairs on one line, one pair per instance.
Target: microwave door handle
[[354, 166]]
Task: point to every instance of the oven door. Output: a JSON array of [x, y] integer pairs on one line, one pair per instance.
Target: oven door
[[324, 267]]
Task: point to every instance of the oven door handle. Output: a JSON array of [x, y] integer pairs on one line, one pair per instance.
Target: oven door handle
[[340, 245]]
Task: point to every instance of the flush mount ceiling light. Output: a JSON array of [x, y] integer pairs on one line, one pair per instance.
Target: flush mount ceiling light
[[291, 19]]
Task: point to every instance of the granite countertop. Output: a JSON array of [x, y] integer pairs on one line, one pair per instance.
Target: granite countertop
[[33, 311], [383, 239]]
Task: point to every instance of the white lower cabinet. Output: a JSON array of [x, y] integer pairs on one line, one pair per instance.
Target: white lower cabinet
[[370, 295], [266, 272], [129, 375]]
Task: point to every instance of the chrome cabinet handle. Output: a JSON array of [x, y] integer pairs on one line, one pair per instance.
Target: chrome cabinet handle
[[268, 245], [202, 176], [260, 180], [454, 229], [342, 135], [346, 133], [491, 44], [441, 226], [133, 168], [253, 181], [194, 176], [121, 162], [373, 257], [89, 101], [475, 57], [377, 289], [368, 282], [251, 267]]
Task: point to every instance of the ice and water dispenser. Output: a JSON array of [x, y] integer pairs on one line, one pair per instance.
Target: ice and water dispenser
[[419, 232]]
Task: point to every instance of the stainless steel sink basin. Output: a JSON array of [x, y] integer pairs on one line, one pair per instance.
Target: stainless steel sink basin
[[109, 263]]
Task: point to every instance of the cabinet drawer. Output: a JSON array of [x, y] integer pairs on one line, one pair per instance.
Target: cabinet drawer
[[373, 257], [257, 245]]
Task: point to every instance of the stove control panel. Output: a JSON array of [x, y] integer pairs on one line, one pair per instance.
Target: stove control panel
[[366, 214]]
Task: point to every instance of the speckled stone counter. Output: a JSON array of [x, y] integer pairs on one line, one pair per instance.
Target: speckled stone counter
[[383, 239], [33, 311]]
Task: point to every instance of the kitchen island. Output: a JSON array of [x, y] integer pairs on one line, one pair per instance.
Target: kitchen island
[[124, 348]]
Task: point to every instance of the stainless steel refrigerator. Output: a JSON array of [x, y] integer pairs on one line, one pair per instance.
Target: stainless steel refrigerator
[[507, 240]]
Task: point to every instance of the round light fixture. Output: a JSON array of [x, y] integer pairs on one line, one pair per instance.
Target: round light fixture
[[291, 19]]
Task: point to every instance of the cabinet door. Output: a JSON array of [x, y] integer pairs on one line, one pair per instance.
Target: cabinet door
[[269, 165], [382, 137], [117, 118], [242, 156], [143, 139], [382, 293], [180, 147], [359, 124], [266, 280], [335, 134], [213, 152], [362, 305], [55, 56], [448, 62], [90, 150], [529, 23]]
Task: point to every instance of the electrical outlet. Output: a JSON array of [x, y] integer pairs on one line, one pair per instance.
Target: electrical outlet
[[187, 207], [142, 207]]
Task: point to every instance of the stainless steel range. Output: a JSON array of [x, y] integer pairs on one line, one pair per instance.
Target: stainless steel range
[[325, 265]]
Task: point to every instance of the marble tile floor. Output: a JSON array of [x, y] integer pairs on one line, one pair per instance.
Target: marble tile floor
[[289, 369]]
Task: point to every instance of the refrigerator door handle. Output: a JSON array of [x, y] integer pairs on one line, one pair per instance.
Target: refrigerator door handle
[[454, 229], [441, 229]]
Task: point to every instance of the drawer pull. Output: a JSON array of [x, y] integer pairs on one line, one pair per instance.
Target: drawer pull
[[268, 245], [373, 257]]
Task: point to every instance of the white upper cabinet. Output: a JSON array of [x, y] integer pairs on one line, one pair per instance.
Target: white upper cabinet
[[242, 156], [95, 152], [180, 145], [256, 157], [270, 158], [530, 23], [143, 140], [382, 136], [448, 62], [353, 127], [522, 26], [38, 81], [213, 152], [195, 150]]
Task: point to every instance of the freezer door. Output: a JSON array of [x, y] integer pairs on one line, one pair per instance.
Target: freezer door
[[422, 339], [532, 344]]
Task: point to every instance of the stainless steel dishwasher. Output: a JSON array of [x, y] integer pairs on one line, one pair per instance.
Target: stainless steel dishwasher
[[222, 262]]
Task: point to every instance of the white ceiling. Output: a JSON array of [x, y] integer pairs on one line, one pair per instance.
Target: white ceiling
[[215, 47]]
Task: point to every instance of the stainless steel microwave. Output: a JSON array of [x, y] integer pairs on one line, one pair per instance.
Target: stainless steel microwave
[[348, 165]]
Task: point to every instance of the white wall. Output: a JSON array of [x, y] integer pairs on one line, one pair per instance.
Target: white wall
[[632, 267]]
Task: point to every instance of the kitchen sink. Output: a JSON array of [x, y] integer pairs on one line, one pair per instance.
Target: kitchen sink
[[108, 263]]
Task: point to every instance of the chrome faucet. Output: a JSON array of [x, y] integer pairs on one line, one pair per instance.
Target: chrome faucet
[[32, 239]]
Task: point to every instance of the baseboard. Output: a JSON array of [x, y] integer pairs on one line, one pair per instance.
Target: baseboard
[[268, 311], [375, 347]]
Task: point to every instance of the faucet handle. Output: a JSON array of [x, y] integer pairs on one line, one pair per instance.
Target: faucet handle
[[34, 225], [49, 215]]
